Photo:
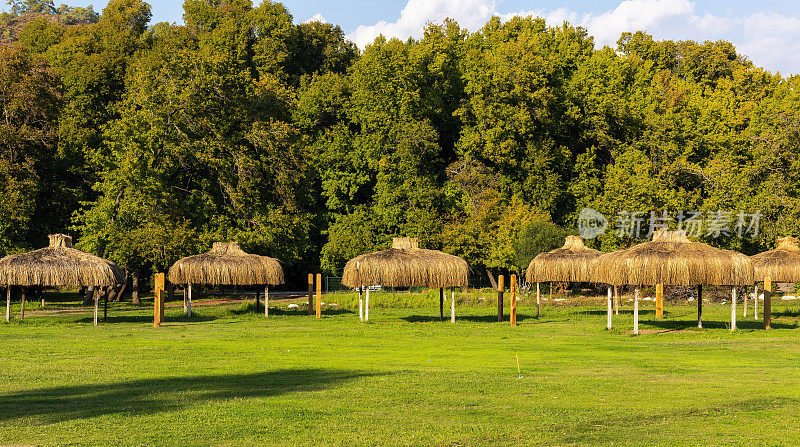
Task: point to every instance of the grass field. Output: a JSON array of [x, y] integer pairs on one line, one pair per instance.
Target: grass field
[[227, 376]]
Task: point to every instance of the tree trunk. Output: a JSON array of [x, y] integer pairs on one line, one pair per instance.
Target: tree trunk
[[88, 297], [135, 289], [491, 279]]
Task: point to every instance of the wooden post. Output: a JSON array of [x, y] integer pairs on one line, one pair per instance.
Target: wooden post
[[616, 301], [538, 302], [22, 310], [608, 304], [96, 299], [501, 286], [105, 304], [189, 309], [441, 304], [499, 308], [700, 306], [636, 311], [159, 283], [733, 308], [551, 293], [755, 302], [366, 306], [452, 304], [184, 300], [513, 298], [8, 303], [767, 303], [158, 307], [360, 303], [311, 294], [319, 295], [659, 301], [266, 301]]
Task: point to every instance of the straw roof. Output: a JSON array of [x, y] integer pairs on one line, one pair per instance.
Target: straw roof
[[226, 264], [58, 265], [406, 265], [570, 263], [781, 264], [672, 259]]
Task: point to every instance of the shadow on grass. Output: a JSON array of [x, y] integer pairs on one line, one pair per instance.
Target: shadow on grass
[[150, 396], [250, 308], [470, 318], [621, 312], [713, 324]]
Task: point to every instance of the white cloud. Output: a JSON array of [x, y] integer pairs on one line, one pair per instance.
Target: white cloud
[[768, 39], [316, 18]]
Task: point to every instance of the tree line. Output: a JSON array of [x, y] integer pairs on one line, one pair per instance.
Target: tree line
[[150, 141]]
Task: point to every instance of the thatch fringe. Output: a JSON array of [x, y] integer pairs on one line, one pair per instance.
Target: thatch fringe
[[408, 266], [672, 259], [227, 264], [58, 265], [570, 263], [781, 264]]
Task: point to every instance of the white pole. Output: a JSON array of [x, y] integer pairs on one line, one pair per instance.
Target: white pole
[[636, 312], [266, 301], [608, 303], [184, 300], [744, 297], [538, 305], [360, 304], [8, 303], [96, 298], [755, 302], [733, 308], [189, 309], [366, 310], [616, 301], [452, 305]]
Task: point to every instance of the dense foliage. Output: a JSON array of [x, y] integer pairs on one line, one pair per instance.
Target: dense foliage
[[150, 141]]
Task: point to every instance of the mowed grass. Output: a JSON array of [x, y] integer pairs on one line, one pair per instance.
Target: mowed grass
[[227, 376]]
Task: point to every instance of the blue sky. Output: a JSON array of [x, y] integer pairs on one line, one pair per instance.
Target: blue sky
[[767, 31]]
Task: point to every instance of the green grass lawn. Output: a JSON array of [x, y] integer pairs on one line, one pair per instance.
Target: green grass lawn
[[227, 376]]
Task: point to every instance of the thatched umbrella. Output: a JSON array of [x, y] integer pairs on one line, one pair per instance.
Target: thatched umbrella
[[570, 263], [58, 265], [407, 265], [781, 264], [672, 259], [226, 264]]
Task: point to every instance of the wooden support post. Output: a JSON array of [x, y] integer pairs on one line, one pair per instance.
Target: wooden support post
[[158, 307], [105, 304], [266, 301], [538, 302], [659, 301], [189, 308], [551, 293], [452, 305], [8, 304], [366, 306], [768, 303], [733, 308], [96, 299], [636, 311], [700, 306], [608, 305], [311, 294], [501, 286], [755, 302], [441, 304], [319, 295], [22, 310], [184, 300], [616, 301], [360, 303], [513, 299]]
